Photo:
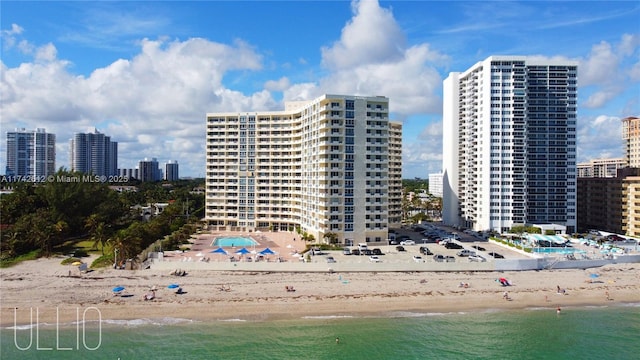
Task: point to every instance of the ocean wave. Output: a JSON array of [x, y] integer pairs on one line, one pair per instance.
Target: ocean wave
[[145, 321], [28, 326], [233, 320], [325, 317]]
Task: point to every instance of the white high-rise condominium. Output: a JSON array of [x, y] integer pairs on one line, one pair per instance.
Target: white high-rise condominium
[[94, 153], [324, 166], [509, 144], [31, 154]]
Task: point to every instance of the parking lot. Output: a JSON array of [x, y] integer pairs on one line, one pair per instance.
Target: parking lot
[[392, 254]]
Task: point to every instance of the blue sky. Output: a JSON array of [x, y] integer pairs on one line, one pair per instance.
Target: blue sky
[[146, 73]]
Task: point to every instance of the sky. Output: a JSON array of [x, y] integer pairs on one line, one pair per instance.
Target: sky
[[146, 73]]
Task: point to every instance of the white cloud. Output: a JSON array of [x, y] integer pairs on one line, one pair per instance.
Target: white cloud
[[600, 137], [154, 103], [600, 98], [277, 85], [371, 58], [371, 36]]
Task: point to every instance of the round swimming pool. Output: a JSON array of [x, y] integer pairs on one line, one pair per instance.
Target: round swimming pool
[[232, 241]]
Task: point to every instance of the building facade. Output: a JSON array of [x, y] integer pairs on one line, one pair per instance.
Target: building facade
[[94, 153], [509, 144], [435, 184], [171, 171], [148, 170], [601, 167], [329, 165], [631, 137], [31, 154]]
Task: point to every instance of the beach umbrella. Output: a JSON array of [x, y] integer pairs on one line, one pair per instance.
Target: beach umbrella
[[118, 289], [243, 251], [219, 251], [594, 276], [76, 263], [173, 286], [267, 251]]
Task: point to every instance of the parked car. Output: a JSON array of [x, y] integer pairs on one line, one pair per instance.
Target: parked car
[[407, 242], [394, 242], [367, 252], [452, 245], [374, 258], [346, 251], [355, 252], [479, 248], [377, 251], [449, 259], [330, 259], [400, 248], [425, 250], [495, 255], [477, 258], [418, 259], [465, 252], [439, 258]]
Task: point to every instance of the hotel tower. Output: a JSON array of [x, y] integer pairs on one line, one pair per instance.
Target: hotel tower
[[329, 165], [509, 144]]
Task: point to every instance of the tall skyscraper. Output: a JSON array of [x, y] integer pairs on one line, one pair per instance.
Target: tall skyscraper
[[171, 171], [148, 170], [631, 137], [94, 153], [31, 153], [328, 165], [509, 144]]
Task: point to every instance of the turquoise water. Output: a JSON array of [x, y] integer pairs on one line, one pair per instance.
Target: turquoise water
[[578, 333], [232, 241], [558, 250]]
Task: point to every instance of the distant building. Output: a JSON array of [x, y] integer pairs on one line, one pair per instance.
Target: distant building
[[128, 173], [435, 184], [148, 170], [601, 167], [31, 153], [631, 137], [609, 203], [509, 144], [171, 171], [94, 153]]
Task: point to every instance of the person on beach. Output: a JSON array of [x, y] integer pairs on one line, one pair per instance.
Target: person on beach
[[558, 310], [337, 340], [505, 295]]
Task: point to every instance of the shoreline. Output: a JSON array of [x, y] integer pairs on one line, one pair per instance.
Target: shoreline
[[44, 286]]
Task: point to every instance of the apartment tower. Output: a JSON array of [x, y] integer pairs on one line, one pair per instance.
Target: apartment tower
[[329, 165], [171, 171], [31, 154], [509, 144], [631, 137], [94, 153]]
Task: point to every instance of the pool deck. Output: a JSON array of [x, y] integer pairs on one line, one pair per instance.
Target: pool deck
[[285, 244]]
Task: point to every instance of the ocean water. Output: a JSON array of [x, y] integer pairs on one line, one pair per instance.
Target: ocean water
[[577, 333]]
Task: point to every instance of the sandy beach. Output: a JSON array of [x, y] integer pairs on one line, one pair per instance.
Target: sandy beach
[[42, 291]]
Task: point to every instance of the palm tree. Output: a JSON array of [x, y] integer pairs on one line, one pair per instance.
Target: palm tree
[[97, 231], [331, 238]]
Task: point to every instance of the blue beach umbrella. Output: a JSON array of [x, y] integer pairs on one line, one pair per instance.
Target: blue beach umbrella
[[173, 286], [219, 251], [594, 276], [118, 288], [267, 251], [243, 251]]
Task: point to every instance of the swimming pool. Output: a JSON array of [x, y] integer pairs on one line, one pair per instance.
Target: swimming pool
[[558, 250], [232, 241]]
